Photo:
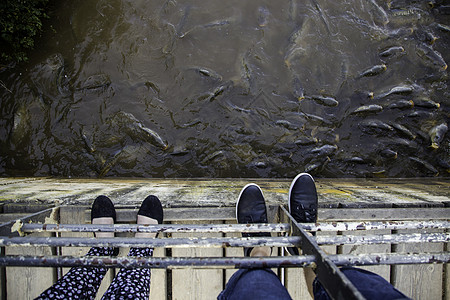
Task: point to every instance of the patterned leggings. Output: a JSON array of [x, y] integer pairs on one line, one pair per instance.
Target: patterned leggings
[[83, 283]]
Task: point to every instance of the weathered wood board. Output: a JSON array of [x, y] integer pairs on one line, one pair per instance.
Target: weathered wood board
[[195, 284], [212, 201]]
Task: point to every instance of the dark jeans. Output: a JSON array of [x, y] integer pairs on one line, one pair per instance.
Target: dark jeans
[[264, 284]]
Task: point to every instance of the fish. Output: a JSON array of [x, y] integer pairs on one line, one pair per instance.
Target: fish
[[208, 73], [153, 136], [318, 119], [401, 104], [21, 129], [403, 130], [373, 71], [437, 134], [443, 27], [366, 109], [397, 90], [87, 142], [378, 14], [263, 16], [212, 156], [136, 129], [420, 114], [317, 165], [388, 153], [96, 81], [425, 165], [327, 101], [426, 103], [392, 51], [306, 140], [430, 56], [374, 126], [286, 124], [357, 160], [298, 90], [324, 150]]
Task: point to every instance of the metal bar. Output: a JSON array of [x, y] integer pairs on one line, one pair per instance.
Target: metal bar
[[221, 262], [157, 262], [151, 242], [168, 228], [5, 228], [391, 225], [324, 226], [389, 259], [383, 239], [333, 280]]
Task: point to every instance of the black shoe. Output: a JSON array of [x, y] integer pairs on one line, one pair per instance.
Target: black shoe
[[151, 207], [303, 199], [251, 208], [302, 202], [103, 208]]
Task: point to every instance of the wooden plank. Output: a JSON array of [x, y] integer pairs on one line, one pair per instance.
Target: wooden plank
[[28, 283], [232, 251], [222, 192], [384, 270], [158, 285], [197, 283], [419, 281]]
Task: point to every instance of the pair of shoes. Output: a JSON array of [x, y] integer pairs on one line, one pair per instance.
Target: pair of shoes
[[104, 208], [251, 206]]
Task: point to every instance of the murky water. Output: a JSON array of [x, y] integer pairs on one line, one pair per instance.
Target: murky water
[[232, 89]]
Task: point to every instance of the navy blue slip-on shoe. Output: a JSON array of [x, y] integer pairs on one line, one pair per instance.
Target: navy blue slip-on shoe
[[303, 199], [151, 207], [303, 202], [103, 208], [251, 208]]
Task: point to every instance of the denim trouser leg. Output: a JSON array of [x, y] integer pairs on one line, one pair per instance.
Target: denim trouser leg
[[370, 285], [254, 284]]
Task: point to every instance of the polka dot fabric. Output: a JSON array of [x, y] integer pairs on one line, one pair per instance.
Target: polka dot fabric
[[131, 283], [83, 283]]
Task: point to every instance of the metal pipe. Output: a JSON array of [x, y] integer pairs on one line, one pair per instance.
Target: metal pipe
[[383, 239], [157, 262], [222, 262], [151, 242], [390, 225], [172, 228], [167, 228], [390, 259]]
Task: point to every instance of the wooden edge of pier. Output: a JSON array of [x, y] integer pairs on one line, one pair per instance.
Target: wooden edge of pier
[[208, 201]]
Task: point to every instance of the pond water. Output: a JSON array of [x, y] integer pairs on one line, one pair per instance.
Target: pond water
[[232, 89]]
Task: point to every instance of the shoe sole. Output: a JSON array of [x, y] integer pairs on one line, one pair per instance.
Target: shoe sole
[[240, 194], [292, 185]]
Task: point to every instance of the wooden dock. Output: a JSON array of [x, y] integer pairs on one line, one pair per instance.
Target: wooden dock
[[202, 201]]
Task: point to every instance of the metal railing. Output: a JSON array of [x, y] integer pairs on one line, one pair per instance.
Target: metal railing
[[289, 234]]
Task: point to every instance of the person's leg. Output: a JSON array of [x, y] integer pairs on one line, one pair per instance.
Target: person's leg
[[253, 283], [303, 203], [135, 283], [83, 282], [371, 286]]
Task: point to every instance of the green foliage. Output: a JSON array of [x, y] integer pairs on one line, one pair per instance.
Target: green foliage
[[20, 24]]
